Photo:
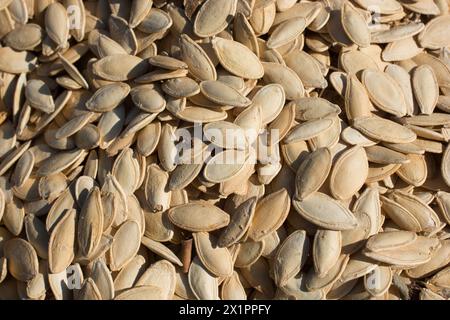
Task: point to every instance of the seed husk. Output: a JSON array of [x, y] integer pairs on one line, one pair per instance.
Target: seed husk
[[116, 180], [290, 257], [222, 94], [161, 250], [286, 77], [385, 93], [309, 209], [25, 37], [215, 259], [198, 217], [202, 283], [426, 88], [213, 17], [232, 55], [62, 243], [355, 26], [57, 23], [39, 96], [90, 223], [285, 32], [278, 204], [312, 172], [120, 67], [239, 223], [199, 63], [125, 244], [384, 130], [22, 259]]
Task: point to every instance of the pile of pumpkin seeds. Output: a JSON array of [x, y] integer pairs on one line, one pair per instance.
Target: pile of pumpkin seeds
[[345, 196]]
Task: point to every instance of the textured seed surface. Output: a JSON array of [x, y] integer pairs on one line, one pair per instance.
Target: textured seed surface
[[224, 149]]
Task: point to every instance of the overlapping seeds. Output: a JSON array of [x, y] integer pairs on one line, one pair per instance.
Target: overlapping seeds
[[225, 149]]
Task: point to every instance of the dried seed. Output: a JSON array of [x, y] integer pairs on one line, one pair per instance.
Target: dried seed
[[315, 208], [61, 243], [198, 217], [213, 17]]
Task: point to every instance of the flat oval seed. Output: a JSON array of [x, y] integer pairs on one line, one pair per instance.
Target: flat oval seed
[[225, 135], [16, 62], [87, 137], [415, 171], [37, 235], [198, 217], [290, 257], [307, 68], [312, 172], [161, 274], [426, 89], [225, 165], [435, 35], [166, 62], [286, 77], [59, 162], [326, 250], [13, 216], [148, 139], [39, 96], [402, 77], [158, 199], [61, 243], [239, 224], [213, 17], [148, 98], [249, 252], [101, 276], [384, 92], [355, 25], [223, 94], [349, 173], [25, 37], [285, 32], [57, 23], [270, 214], [156, 21], [108, 47], [397, 33], [316, 207], [90, 223], [125, 244], [199, 63], [308, 130], [161, 250], [384, 240], [126, 170], [384, 130], [23, 168], [216, 260], [120, 67], [203, 284], [402, 217], [271, 100], [22, 259], [237, 58], [180, 87], [108, 97]]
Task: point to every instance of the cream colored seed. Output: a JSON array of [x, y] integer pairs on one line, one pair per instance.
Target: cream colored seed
[[224, 149]]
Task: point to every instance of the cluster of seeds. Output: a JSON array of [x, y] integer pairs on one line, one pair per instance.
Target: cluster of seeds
[[335, 115]]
